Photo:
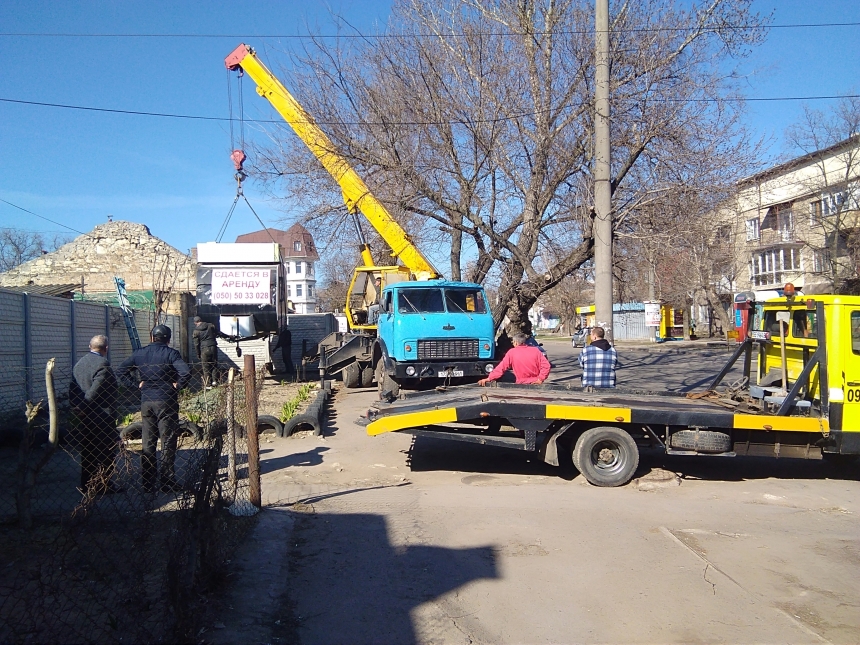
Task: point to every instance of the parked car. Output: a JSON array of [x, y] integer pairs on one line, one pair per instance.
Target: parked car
[[580, 337]]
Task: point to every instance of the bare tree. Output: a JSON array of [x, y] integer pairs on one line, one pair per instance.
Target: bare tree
[[832, 141], [473, 118], [18, 246]]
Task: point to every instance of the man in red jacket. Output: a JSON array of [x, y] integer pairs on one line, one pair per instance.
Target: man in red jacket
[[527, 362]]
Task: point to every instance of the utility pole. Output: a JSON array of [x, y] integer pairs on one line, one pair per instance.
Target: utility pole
[[602, 191]]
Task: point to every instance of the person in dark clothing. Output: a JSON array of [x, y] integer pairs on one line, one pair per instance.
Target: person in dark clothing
[[205, 340], [285, 342], [92, 394], [162, 374], [599, 361]]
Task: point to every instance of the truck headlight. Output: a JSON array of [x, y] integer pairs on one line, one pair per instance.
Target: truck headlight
[[408, 347], [410, 371], [487, 346], [488, 368]]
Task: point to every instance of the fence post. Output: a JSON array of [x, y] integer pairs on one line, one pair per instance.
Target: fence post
[[251, 430], [231, 432], [74, 330], [28, 348]]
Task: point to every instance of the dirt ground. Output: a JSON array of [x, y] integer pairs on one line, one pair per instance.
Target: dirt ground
[[395, 539]]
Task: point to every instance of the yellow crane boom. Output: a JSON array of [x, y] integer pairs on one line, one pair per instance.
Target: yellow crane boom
[[356, 194]]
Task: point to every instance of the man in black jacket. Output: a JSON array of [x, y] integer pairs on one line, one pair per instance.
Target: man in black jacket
[[162, 374], [206, 341], [92, 395], [285, 342]]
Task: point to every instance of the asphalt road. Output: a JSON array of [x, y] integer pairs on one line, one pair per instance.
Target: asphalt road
[[399, 540]]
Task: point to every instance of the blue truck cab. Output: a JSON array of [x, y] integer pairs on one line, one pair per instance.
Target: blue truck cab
[[435, 329]]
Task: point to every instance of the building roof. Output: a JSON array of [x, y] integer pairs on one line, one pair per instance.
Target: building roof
[[295, 242], [803, 160], [65, 290]]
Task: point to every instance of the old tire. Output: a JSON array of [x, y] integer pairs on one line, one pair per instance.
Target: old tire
[[367, 376], [351, 375], [606, 456], [131, 431], [187, 427], [387, 387], [267, 422], [705, 441]]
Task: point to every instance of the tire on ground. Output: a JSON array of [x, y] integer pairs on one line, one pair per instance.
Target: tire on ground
[[351, 375], [131, 431], [189, 427], [606, 456], [386, 386], [267, 422], [701, 441], [367, 375]]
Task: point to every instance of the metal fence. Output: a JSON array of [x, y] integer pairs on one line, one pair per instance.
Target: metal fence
[[115, 513]]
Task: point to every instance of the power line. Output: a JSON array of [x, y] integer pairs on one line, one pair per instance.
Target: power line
[[358, 35], [21, 208], [197, 117]]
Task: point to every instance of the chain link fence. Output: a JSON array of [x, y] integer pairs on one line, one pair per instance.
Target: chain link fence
[[116, 514]]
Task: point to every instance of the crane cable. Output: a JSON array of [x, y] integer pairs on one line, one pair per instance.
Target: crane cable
[[240, 173]]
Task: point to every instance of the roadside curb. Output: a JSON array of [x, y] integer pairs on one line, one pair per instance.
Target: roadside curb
[[314, 415]]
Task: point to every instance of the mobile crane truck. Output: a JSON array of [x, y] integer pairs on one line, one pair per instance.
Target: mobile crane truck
[[416, 327], [805, 403]]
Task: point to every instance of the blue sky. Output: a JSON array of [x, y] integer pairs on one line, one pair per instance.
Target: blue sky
[[175, 175]]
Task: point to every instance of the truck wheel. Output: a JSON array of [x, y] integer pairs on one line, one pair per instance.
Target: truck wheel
[[387, 386], [701, 441], [367, 376], [351, 375], [606, 456]]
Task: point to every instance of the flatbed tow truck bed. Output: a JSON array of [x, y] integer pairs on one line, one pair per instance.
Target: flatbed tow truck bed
[[610, 425]]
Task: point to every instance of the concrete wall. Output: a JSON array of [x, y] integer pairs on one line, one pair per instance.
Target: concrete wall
[[311, 328], [35, 328]]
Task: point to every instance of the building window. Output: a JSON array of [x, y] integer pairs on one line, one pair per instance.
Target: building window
[[297, 246], [821, 261], [298, 291], [768, 267], [298, 267], [310, 268], [815, 213], [310, 291], [289, 291], [752, 229], [785, 222]]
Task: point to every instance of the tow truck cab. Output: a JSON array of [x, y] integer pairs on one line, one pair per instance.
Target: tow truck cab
[[837, 390], [435, 329]]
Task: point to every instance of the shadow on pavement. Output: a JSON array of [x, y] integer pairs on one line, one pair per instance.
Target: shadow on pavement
[[428, 454], [309, 458], [747, 468], [350, 584]]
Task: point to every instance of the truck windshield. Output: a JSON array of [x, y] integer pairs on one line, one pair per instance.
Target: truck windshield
[[420, 301], [465, 301]]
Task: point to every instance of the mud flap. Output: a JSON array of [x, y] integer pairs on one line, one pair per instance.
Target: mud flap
[[549, 449]]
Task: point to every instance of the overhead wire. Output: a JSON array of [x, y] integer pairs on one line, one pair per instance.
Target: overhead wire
[[21, 208], [359, 35], [417, 123]]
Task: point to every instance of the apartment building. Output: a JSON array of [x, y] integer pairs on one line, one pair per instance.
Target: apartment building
[[796, 222]]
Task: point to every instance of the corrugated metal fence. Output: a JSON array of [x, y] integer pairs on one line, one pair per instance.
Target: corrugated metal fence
[[34, 328]]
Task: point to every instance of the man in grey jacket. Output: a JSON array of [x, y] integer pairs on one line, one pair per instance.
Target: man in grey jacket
[[93, 397]]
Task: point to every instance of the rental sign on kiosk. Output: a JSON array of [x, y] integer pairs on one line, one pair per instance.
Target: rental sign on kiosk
[[241, 285]]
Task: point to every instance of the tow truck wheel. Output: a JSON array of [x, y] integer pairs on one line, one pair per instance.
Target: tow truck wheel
[[367, 374], [606, 456], [387, 386], [351, 375]]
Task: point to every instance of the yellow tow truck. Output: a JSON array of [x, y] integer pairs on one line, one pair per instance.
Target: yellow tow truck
[[802, 401]]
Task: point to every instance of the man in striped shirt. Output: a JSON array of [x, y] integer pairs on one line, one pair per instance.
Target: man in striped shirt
[[598, 361]]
